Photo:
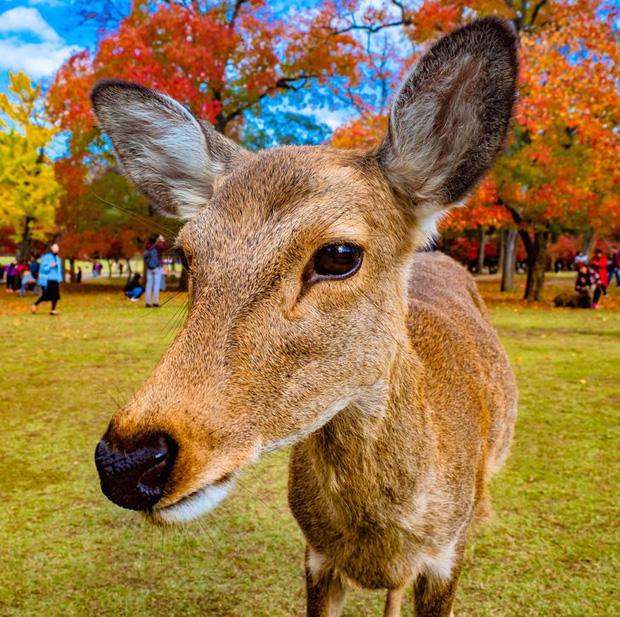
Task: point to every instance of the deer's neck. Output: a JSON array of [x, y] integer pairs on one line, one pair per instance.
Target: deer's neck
[[379, 448]]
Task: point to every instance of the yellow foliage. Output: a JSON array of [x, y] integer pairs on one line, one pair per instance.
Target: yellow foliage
[[29, 192]]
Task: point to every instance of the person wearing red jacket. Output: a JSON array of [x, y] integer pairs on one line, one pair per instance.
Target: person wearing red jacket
[[599, 263]]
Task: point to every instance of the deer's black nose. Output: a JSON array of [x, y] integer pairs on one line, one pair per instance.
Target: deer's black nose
[[136, 479]]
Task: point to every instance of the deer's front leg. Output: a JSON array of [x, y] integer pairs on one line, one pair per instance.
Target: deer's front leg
[[433, 598], [324, 588], [393, 602]]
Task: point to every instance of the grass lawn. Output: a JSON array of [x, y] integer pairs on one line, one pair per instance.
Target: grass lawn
[[551, 548]]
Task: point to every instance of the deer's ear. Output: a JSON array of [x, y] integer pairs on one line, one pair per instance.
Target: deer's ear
[[169, 155], [449, 120]]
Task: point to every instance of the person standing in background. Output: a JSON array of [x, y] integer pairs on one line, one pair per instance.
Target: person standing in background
[[22, 267], [580, 259], [11, 276], [50, 277], [599, 263], [616, 265], [154, 265], [34, 268]]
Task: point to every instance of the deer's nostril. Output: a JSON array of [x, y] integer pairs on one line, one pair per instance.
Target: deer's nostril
[[136, 479], [151, 478]]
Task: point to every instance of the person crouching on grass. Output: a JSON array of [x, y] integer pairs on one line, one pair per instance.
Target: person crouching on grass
[[50, 277], [133, 290], [588, 285]]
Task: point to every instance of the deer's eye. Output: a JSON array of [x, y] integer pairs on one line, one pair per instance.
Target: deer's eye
[[335, 261]]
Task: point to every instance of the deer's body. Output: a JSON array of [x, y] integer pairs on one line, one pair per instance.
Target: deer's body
[[312, 321], [387, 491]]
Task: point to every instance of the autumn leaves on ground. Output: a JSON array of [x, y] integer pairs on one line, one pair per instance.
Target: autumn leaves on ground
[[550, 548]]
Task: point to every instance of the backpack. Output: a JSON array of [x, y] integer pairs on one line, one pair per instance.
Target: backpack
[[150, 258]]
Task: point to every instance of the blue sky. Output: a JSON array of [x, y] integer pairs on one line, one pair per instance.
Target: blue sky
[[37, 36]]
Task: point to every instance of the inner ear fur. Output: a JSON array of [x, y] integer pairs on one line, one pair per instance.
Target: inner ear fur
[[450, 116], [170, 155]]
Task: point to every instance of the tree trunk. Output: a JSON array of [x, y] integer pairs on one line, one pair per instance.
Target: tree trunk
[[502, 250], [509, 261], [588, 241], [26, 244], [482, 239], [537, 259], [109, 268], [129, 272], [72, 269]]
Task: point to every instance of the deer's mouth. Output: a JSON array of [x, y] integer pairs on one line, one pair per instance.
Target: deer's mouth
[[195, 504]]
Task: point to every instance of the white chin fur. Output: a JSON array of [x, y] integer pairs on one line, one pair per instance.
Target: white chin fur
[[194, 506]]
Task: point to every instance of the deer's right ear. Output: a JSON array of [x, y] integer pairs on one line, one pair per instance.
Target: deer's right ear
[[449, 120], [169, 155]]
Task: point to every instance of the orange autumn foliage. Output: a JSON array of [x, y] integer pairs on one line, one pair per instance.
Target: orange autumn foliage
[[560, 170], [220, 60]]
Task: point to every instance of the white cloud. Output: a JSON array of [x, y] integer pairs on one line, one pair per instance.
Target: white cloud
[[334, 118], [38, 59], [23, 20]]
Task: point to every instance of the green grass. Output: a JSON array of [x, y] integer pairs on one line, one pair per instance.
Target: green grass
[[551, 547]]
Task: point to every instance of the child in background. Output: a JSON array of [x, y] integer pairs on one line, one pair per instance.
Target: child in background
[[28, 283]]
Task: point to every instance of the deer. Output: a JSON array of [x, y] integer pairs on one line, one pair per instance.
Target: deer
[[315, 321]]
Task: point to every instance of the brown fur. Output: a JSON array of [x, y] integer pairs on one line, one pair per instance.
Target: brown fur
[[391, 383]]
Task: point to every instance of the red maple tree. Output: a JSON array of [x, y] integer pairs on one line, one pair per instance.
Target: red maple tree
[[222, 60], [559, 172]]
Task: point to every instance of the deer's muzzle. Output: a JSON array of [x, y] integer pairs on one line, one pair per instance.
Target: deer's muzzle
[[136, 479]]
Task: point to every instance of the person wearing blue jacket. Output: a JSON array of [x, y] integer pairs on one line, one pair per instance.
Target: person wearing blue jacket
[[50, 277]]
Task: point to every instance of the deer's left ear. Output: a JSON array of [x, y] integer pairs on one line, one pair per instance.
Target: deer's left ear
[[450, 116], [170, 155]]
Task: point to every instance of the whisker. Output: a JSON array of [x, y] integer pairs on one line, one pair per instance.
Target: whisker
[[175, 321], [255, 496], [141, 219], [172, 296], [206, 533]]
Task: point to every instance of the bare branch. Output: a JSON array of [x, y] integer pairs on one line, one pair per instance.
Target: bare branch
[[371, 29], [536, 11], [236, 11], [283, 83], [518, 20]]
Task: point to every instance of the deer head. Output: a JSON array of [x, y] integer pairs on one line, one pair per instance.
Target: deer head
[[298, 260]]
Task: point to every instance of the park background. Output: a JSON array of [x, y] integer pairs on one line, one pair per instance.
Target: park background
[[265, 74]]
